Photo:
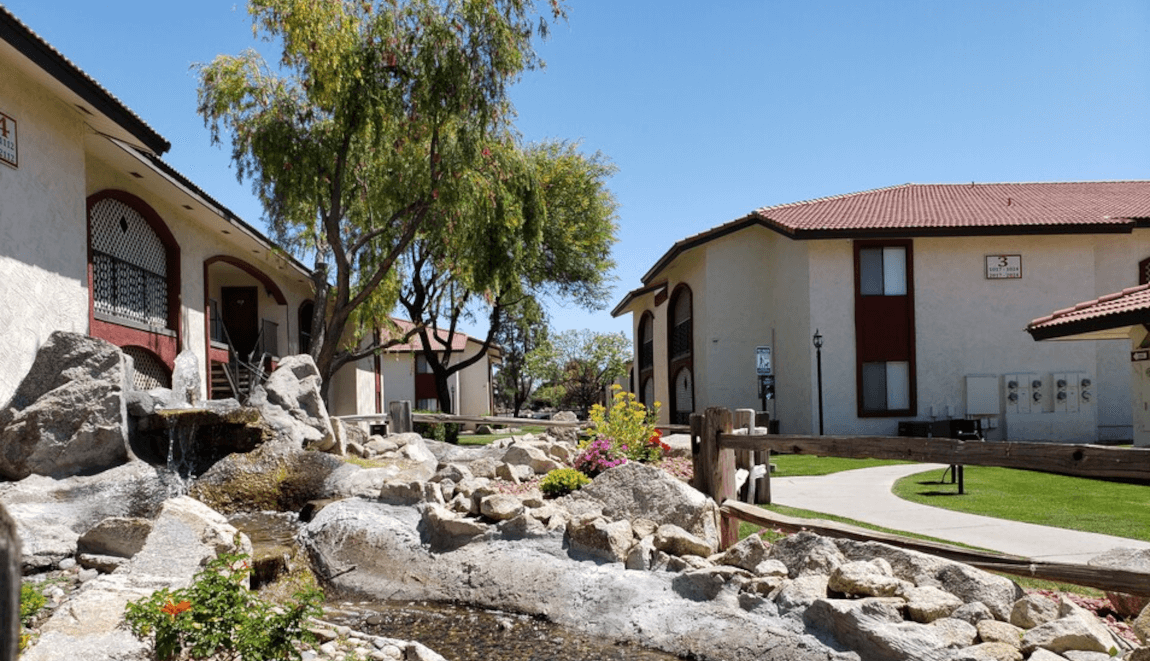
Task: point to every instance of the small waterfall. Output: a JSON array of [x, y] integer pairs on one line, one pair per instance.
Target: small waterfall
[[181, 458]]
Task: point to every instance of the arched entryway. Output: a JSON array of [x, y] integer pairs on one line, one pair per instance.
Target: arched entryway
[[246, 319]]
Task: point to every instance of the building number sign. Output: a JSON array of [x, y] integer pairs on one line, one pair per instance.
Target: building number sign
[[8, 151], [1003, 267]]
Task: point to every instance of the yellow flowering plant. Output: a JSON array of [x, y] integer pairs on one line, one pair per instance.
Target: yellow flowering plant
[[629, 426]]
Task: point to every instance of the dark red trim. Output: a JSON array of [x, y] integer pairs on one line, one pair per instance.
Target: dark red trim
[[251, 270], [165, 347], [171, 254], [869, 349]]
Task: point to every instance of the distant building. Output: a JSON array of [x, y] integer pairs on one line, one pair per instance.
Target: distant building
[[407, 376], [921, 294]]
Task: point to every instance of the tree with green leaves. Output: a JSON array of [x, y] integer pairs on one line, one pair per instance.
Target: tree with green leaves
[[553, 240], [524, 339], [584, 364], [377, 124]]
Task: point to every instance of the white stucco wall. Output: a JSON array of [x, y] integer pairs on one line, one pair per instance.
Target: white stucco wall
[[43, 245]]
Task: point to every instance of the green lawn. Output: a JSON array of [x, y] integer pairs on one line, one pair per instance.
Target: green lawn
[[473, 439], [795, 465], [1075, 503]]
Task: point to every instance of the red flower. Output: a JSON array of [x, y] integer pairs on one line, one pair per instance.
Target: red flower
[[174, 609]]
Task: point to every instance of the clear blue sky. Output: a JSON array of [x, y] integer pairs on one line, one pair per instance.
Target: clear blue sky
[[713, 109]]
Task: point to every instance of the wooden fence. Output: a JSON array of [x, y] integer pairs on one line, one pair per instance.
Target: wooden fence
[[717, 451]]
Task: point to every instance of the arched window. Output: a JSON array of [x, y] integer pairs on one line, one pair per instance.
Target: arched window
[[680, 356], [131, 262], [647, 358], [306, 311]]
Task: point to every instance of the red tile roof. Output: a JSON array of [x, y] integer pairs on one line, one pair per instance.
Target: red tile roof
[[945, 210], [926, 206], [458, 341], [1118, 310]]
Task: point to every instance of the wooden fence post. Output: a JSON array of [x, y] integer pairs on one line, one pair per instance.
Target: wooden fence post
[[399, 417], [720, 467], [11, 575], [700, 473], [763, 491], [745, 419]]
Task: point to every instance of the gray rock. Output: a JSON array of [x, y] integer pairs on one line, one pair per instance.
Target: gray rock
[[1137, 560], [798, 594], [1032, 610], [536, 576], [873, 627], [454, 472], [139, 403], [569, 435], [1079, 655], [988, 652], [446, 530], [642, 555], [993, 631], [973, 612], [1141, 625], [380, 445], [116, 536], [673, 540], [807, 553], [596, 538], [401, 492], [707, 583], [1074, 632], [872, 578], [184, 536], [521, 454], [40, 431], [963, 581], [747, 554], [290, 402], [927, 604], [955, 633], [483, 467], [104, 564], [635, 490], [500, 507], [51, 514]]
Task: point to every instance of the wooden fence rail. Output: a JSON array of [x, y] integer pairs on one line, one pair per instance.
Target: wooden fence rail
[[715, 444]]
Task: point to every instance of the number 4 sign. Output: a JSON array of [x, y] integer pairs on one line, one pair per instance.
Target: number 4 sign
[[8, 152]]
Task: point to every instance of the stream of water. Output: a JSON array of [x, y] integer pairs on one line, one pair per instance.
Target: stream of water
[[459, 633]]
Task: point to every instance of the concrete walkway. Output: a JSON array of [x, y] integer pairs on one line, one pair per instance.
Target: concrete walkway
[[865, 495]]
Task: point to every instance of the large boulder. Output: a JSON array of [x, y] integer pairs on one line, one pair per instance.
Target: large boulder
[[68, 416], [1138, 560], [291, 403], [381, 551], [185, 535], [274, 477], [874, 628], [52, 514], [635, 490]]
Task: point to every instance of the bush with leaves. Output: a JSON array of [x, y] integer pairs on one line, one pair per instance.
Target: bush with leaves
[[629, 427], [32, 599], [219, 617], [563, 481]]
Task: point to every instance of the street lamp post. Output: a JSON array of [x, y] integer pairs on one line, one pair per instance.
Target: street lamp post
[[818, 342]]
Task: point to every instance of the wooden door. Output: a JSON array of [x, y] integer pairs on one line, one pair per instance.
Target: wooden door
[[241, 315]]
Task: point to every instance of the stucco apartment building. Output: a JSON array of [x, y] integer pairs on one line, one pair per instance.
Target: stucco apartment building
[[98, 235], [921, 295], [408, 376]]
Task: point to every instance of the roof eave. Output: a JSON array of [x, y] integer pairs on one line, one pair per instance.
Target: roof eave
[[48, 59], [1111, 326]]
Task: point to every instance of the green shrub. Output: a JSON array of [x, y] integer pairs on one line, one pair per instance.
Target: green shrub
[[219, 615], [563, 481], [31, 601], [446, 432]]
